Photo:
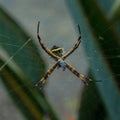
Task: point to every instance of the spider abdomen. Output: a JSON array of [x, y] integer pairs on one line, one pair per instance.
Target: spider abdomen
[[62, 64]]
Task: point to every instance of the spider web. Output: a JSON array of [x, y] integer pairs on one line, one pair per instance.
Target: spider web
[[62, 86]]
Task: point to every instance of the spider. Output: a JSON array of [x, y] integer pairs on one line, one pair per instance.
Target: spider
[[57, 54]]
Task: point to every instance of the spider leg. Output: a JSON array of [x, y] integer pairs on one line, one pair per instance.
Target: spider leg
[[82, 77], [42, 81], [79, 29], [75, 45], [42, 45]]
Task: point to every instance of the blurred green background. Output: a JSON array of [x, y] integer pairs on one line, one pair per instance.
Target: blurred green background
[[23, 62]]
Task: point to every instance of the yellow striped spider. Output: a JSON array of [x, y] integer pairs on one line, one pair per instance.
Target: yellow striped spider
[[57, 54]]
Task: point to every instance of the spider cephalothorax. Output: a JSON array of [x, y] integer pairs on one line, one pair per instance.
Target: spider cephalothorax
[[57, 54], [57, 50]]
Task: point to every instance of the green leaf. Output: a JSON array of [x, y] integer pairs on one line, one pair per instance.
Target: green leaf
[[14, 38], [115, 11], [102, 47], [115, 16], [92, 105], [21, 66]]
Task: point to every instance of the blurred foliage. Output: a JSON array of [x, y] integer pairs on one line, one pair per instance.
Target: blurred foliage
[[100, 101], [102, 46], [115, 11], [21, 66], [115, 16], [92, 108], [109, 42]]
